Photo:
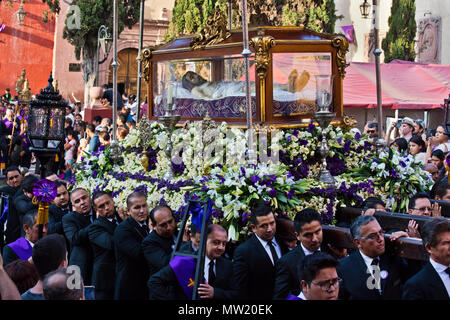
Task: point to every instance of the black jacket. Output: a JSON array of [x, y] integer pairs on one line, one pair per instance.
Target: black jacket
[[101, 234], [287, 278], [131, 267], [157, 251], [76, 228], [354, 274], [13, 223], [425, 285], [165, 286], [253, 271], [55, 215], [23, 205]]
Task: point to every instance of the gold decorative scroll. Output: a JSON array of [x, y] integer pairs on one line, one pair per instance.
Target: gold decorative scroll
[[146, 55], [262, 45], [214, 32], [340, 42], [348, 123]]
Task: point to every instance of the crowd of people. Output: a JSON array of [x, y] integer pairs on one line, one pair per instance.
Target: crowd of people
[[408, 136], [126, 254], [81, 137]]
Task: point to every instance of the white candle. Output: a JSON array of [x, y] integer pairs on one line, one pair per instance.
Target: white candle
[[169, 94]]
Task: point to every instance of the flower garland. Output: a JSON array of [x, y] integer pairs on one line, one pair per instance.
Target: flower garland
[[218, 172]]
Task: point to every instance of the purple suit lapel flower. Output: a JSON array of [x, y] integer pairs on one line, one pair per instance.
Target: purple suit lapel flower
[[45, 190]]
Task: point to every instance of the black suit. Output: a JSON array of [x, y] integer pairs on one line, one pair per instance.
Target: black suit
[[287, 279], [157, 251], [425, 285], [13, 226], [76, 228], [104, 270], [55, 215], [253, 271], [165, 286], [131, 267], [23, 205], [353, 272], [9, 255]]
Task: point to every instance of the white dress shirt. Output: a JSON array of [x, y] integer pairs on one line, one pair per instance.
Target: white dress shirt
[[267, 247], [302, 296], [306, 251], [440, 269], [368, 262], [31, 243]]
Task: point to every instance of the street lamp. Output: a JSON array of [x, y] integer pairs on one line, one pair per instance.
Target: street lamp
[[364, 9], [379, 141], [46, 124], [104, 41], [21, 14]]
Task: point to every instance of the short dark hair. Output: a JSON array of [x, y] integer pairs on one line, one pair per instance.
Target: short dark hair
[[155, 209], [97, 119], [432, 228], [30, 218], [91, 127], [259, 211], [441, 189], [23, 274], [98, 194], [48, 253], [133, 195], [313, 263], [438, 153], [60, 183], [402, 144], [11, 169], [55, 286], [418, 195], [305, 216], [371, 203], [28, 182], [214, 227], [419, 141], [361, 221], [373, 125]]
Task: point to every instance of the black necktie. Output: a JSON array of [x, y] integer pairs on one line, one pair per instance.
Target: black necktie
[[273, 252], [447, 271], [375, 262], [211, 274], [144, 228]]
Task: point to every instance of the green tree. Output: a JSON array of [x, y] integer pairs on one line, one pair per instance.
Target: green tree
[[399, 42], [189, 16]]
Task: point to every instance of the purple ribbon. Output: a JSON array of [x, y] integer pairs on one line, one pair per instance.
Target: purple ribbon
[[22, 248], [2, 27], [8, 123], [4, 212], [292, 297], [184, 269]]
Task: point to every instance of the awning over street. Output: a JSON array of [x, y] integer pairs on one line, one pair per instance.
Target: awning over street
[[404, 85]]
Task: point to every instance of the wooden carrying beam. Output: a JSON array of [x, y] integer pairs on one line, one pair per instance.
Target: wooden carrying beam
[[408, 248], [387, 220]]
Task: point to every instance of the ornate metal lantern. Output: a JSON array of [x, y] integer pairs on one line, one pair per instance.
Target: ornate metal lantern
[[365, 9], [21, 14], [46, 123]]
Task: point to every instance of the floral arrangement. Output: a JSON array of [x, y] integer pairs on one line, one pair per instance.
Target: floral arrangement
[[212, 165], [396, 175]]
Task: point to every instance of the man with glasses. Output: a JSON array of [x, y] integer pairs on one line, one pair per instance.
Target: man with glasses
[[420, 205], [368, 273], [319, 278]]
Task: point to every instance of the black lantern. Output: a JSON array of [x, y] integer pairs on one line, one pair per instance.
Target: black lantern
[[364, 9], [46, 124]]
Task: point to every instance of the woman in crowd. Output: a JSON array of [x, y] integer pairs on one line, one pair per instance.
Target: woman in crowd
[[416, 148]]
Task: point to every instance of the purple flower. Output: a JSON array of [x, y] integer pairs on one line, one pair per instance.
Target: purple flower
[[273, 193], [255, 179], [295, 132], [303, 142], [289, 138], [339, 140], [290, 194], [45, 190], [311, 127], [357, 136]]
